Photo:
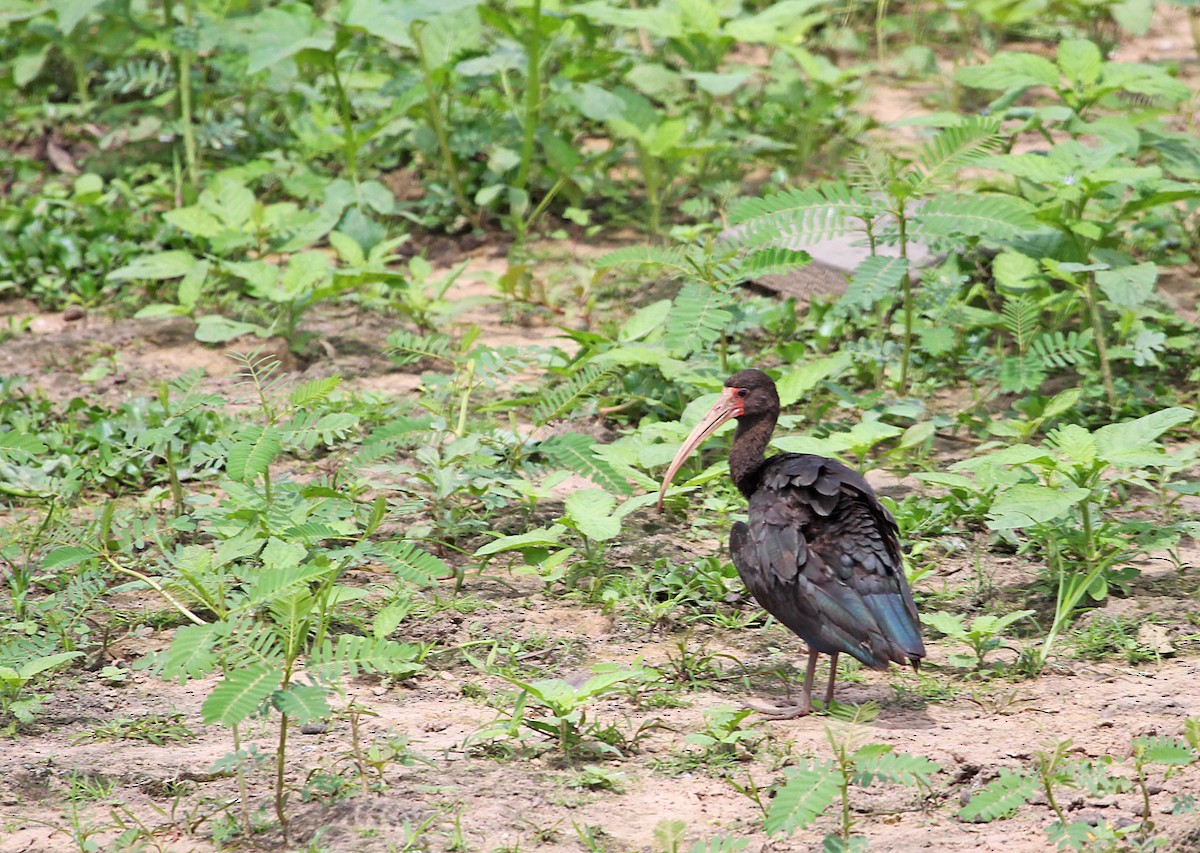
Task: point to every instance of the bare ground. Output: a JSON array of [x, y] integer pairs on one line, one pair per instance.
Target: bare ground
[[475, 797]]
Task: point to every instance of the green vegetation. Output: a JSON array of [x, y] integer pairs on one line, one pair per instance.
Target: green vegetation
[[563, 224]]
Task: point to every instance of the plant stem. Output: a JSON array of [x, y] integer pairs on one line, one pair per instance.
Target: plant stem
[[465, 401], [439, 126], [280, 766], [185, 97], [880, 14], [1101, 344], [1147, 824], [651, 178], [243, 794], [156, 586], [906, 354], [173, 478], [533, 93], [349, 139]]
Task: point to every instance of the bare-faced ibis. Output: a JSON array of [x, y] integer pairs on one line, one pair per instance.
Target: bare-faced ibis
[[820, 553]]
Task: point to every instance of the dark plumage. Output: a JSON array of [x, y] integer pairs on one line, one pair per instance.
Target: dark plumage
[[819, 552]]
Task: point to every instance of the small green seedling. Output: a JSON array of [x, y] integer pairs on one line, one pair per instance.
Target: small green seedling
[[983, 636]]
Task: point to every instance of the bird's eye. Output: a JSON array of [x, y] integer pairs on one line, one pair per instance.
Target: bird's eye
[[742, 392]]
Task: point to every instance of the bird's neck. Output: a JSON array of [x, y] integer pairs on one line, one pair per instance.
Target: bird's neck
[[747, 456]]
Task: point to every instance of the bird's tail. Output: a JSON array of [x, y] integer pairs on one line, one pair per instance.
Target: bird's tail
[[898, 626]]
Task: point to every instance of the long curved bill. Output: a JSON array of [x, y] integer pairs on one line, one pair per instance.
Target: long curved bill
[[728, 407]]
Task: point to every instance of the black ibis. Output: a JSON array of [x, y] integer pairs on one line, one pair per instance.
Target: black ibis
[[820, 553]]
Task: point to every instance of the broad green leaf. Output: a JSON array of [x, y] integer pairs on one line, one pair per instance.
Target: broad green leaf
[[950, 624], [33, 667], [1027, 504], [20, 443], [156, 267], [658, 21], [71, 12], [1062, 402], [28, 65], [1015, 272], [794, 384], [195, 220], [783, 23], [1133, 16], [543, 537], [1128, 287], [946, 478], [1076, 444], [1128, 444], [281, 32], [590, 512], [1080, 62], [1008, 71], [215, 329], [646, 320]]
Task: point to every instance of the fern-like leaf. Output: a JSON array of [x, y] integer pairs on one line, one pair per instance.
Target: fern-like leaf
[[354, 654], [877, 278], [1022, 319], [898, 767], [271, 584], [773, 260], [801, 217], [698, 317], [308, 428], [807, 792], [1058, 350], [955, 147], [253, 449], [413, 564], [186, 396], [999, 798], [670, 258], [241, 694], [1022, 373], [585, 383], [993, 216], [1159, 749], [407, 348], [303, 702], [191, 652], [315, 392], [573, 451]]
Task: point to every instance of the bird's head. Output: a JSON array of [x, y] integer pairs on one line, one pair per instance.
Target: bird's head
[[748, 394], [751, 393]]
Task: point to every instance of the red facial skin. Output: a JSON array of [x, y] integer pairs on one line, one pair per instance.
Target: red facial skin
[[730, 406]]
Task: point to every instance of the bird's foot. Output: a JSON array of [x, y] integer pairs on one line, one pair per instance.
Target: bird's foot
[[781, 712]]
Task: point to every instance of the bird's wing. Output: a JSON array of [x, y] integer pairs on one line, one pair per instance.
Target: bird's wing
[[821, 554]]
